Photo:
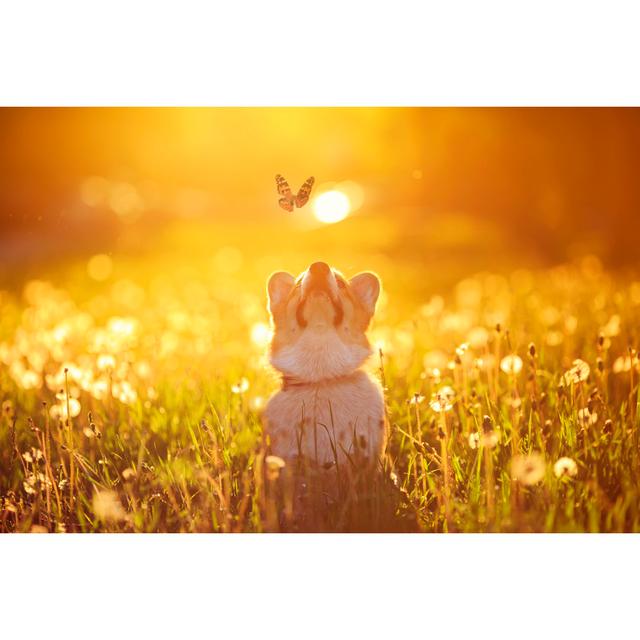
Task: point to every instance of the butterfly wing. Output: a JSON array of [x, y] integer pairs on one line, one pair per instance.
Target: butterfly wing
[[286, 199], [305, 190]]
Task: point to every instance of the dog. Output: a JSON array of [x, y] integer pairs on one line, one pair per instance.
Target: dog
[[330, 413]]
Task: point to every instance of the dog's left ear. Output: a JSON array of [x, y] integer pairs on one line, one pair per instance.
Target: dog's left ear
[[366, 287]]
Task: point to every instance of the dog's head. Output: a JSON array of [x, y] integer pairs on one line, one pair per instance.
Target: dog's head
[[320, 319]]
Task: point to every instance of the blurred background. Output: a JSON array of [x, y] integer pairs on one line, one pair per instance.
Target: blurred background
[[453, 188]]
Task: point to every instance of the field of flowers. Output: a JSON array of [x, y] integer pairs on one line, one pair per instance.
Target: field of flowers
[[131, 392]]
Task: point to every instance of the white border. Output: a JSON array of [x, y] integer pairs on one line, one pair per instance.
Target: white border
[[329, 52], [311, 586]]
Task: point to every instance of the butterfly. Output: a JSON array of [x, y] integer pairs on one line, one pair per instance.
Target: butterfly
[[288, 200]]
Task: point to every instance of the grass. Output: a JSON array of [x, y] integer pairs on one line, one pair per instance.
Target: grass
[[133, 403]]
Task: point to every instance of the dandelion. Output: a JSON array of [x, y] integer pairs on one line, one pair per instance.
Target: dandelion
[[443, 400], [511, 364], [528, 469], [241, 386], [274, 465], [586, 416], [487, 439], [578, 373], [107, 506], [416, 398], [58, 411], [565, 467]]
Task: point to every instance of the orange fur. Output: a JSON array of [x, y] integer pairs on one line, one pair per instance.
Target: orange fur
[[329, 410]]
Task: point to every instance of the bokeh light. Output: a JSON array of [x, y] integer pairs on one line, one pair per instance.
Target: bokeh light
[[100, 267]]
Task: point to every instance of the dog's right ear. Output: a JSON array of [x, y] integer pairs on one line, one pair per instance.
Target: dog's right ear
[[278, 289]]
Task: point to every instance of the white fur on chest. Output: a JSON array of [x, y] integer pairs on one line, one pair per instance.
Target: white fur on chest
[[327, 421]]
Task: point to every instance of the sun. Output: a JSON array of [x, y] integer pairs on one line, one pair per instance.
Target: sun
[[331, 206]]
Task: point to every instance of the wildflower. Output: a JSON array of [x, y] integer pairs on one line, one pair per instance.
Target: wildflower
[[565, 467], [241, 386], [578, 373], [442, 400], [528, 469], [487, 438], [511, 364], [587, 417], [274, 465], [416, 398], [393, 476], [107, 506]]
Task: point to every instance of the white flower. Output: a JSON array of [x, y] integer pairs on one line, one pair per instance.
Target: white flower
[[578, 373], [528, 469], [511, 364], [442, 400], [587, 417], [565, 467]]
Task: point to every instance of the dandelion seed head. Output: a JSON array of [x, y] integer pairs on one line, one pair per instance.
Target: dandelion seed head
[[443, 400], [528, 469], [578, 373], [511, 364], [565, 467]]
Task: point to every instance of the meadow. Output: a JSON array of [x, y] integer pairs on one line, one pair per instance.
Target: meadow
[[131, 385]]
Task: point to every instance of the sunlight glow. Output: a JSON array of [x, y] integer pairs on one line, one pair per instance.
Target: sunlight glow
[[331, 206]]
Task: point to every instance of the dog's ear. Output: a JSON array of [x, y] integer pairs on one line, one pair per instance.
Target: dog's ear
[[278, 289], [366, 288]]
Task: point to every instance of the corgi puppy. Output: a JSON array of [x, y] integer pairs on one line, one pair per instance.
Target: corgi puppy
[[329, 411]]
